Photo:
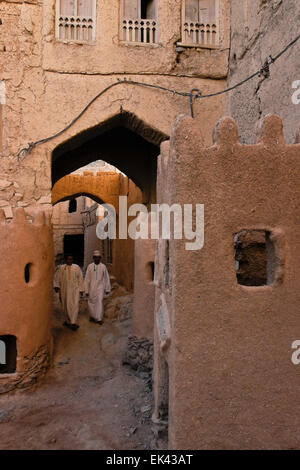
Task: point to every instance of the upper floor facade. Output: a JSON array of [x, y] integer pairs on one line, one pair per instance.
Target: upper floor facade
[[184, 37], [55, 56], [76, 21]]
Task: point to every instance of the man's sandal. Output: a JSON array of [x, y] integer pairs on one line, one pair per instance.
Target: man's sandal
[[71, 326]]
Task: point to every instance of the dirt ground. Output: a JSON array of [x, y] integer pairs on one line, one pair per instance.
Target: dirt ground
[[88, 400]]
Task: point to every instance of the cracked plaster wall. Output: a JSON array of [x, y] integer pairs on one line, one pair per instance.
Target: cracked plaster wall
[[49, 82], [260, 28]]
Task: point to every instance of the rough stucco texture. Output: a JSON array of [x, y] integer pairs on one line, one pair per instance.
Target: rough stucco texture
[[260, 28], [232, 382], [46, 88], [143, 302], [26, 307]]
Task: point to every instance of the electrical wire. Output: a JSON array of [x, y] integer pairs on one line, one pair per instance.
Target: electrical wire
[[192, 95]]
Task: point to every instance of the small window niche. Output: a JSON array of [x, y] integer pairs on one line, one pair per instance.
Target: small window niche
[[28, 272], [72, 206], [150, 271], [8, 354], [256, 258]]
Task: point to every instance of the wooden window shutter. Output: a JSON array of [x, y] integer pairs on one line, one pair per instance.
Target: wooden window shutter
[[191, 10], [85, 8], [67, 7], [207, 11], [131, 9], [202, 11]]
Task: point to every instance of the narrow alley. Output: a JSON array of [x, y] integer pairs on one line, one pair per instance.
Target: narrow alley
[[88, 400]]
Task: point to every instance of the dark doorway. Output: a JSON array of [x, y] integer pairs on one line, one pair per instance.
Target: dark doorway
[[74, 245], [150, 271], [72, 206], [27, 272], [8, 354], [147, 9]]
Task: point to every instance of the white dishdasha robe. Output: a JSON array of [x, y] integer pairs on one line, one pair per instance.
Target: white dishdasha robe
[[97, 282], [69, 279]]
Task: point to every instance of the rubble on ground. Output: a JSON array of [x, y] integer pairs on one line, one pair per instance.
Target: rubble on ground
[[139, 355]]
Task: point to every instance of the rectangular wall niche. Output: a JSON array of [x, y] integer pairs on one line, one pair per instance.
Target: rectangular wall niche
[[255, 259], [150, 271], [8, 354]]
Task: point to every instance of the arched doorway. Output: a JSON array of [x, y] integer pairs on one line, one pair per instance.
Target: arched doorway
[[131, 146], [123, 141]]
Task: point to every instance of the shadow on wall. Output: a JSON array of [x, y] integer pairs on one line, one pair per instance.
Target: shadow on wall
[[123, 141]]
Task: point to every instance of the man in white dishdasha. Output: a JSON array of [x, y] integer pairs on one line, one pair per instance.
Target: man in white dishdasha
[[97, 283]]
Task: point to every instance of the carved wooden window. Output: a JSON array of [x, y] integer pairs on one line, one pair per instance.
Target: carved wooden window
[[76, 20], [138, 21], [200, 23]]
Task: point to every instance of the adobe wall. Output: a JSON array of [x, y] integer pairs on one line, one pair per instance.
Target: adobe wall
[[143, 302], [258, 29], [26, 307], [232, 384], [110, 56], [46, 87]]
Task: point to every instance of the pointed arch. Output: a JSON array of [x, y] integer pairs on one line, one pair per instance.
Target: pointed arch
[[124, 141]]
